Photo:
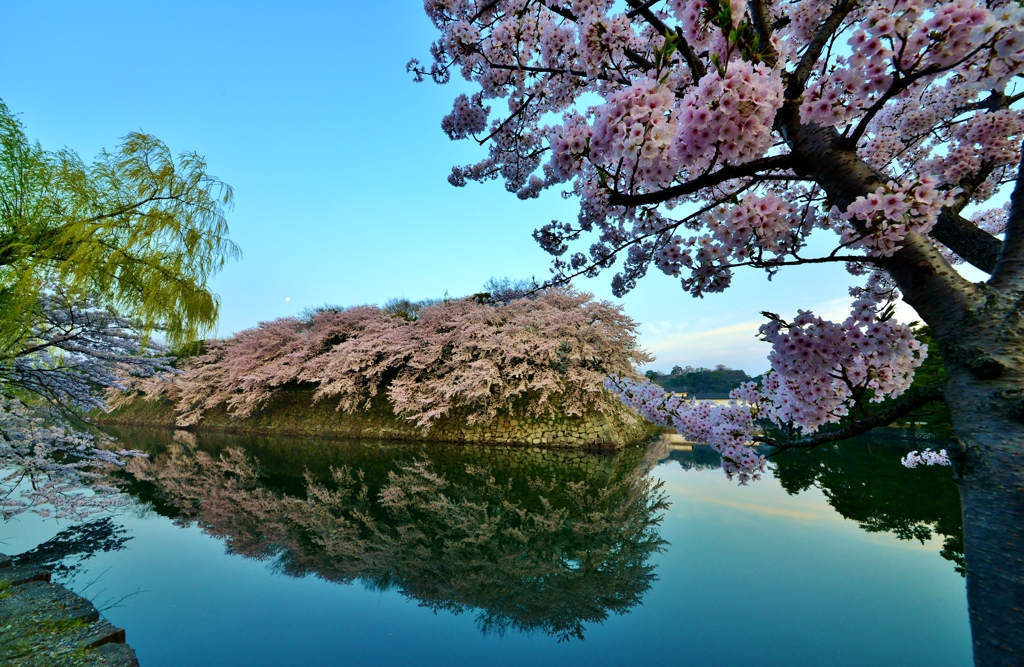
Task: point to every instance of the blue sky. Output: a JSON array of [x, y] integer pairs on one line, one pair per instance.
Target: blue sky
[[337, 159]]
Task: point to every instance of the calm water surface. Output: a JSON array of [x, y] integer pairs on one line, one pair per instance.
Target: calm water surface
[[275, 551]]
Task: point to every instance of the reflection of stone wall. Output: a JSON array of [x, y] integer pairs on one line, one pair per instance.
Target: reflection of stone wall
[[587, 431], [293, 412]]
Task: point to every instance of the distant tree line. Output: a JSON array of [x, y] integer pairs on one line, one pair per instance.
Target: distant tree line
[[700, 381]]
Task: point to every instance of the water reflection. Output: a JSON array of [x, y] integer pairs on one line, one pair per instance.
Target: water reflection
[[865, 482], [525, 539]]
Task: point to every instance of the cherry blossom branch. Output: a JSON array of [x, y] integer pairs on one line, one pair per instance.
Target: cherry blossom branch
[[901, 407], [599, 263], [798, 79], [898, 85]]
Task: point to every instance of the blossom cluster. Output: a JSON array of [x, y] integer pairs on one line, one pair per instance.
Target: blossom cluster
[[728, 116], [891, 212], [727, 428], [635, 131], [820, 369], [468, 117], [570, 144], [927, 457]]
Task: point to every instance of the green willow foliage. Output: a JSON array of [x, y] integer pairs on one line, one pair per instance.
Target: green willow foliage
[[136, 229]]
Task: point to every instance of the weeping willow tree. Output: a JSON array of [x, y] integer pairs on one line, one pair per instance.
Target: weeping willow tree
[[137, 229], [94, 257]]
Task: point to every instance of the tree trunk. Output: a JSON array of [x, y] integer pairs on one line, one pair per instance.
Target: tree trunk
[[980, 327], [987, 415]]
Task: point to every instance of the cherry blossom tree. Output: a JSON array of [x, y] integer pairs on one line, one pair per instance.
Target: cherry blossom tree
[[702, 136], [532, 357], [50, 460]]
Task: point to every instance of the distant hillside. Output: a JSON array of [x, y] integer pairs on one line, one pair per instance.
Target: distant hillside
[[700, 381]]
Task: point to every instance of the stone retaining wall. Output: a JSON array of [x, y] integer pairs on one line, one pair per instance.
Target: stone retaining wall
[[293, 412]]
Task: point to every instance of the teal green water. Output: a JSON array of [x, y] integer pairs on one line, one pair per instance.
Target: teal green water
[[275, 551]]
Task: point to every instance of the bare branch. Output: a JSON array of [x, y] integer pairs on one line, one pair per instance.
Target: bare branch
[[562, 11], [647, 5], [554, 70], [483, 10], [1009, 268], [763, 29], [696, 67], [511, 117], [753, 168], [769, 264], [976, 246]]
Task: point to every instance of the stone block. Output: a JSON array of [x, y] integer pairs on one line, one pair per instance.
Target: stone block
[[52, 603], [20, 574], [118, 655], [102, 633]]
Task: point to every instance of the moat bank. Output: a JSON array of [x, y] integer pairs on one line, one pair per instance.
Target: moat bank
[[293, 412]]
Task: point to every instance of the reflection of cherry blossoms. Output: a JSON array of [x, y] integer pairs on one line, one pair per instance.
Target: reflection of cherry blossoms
[[508, 539], [54, 371]]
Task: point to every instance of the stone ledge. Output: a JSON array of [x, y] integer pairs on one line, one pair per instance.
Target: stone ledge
[[46, 625]]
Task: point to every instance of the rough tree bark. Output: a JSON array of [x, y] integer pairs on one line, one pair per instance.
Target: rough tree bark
[[980, 328]]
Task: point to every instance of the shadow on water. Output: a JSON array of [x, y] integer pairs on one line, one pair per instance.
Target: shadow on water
[[526, 539], [865, 482], [66, 553]]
